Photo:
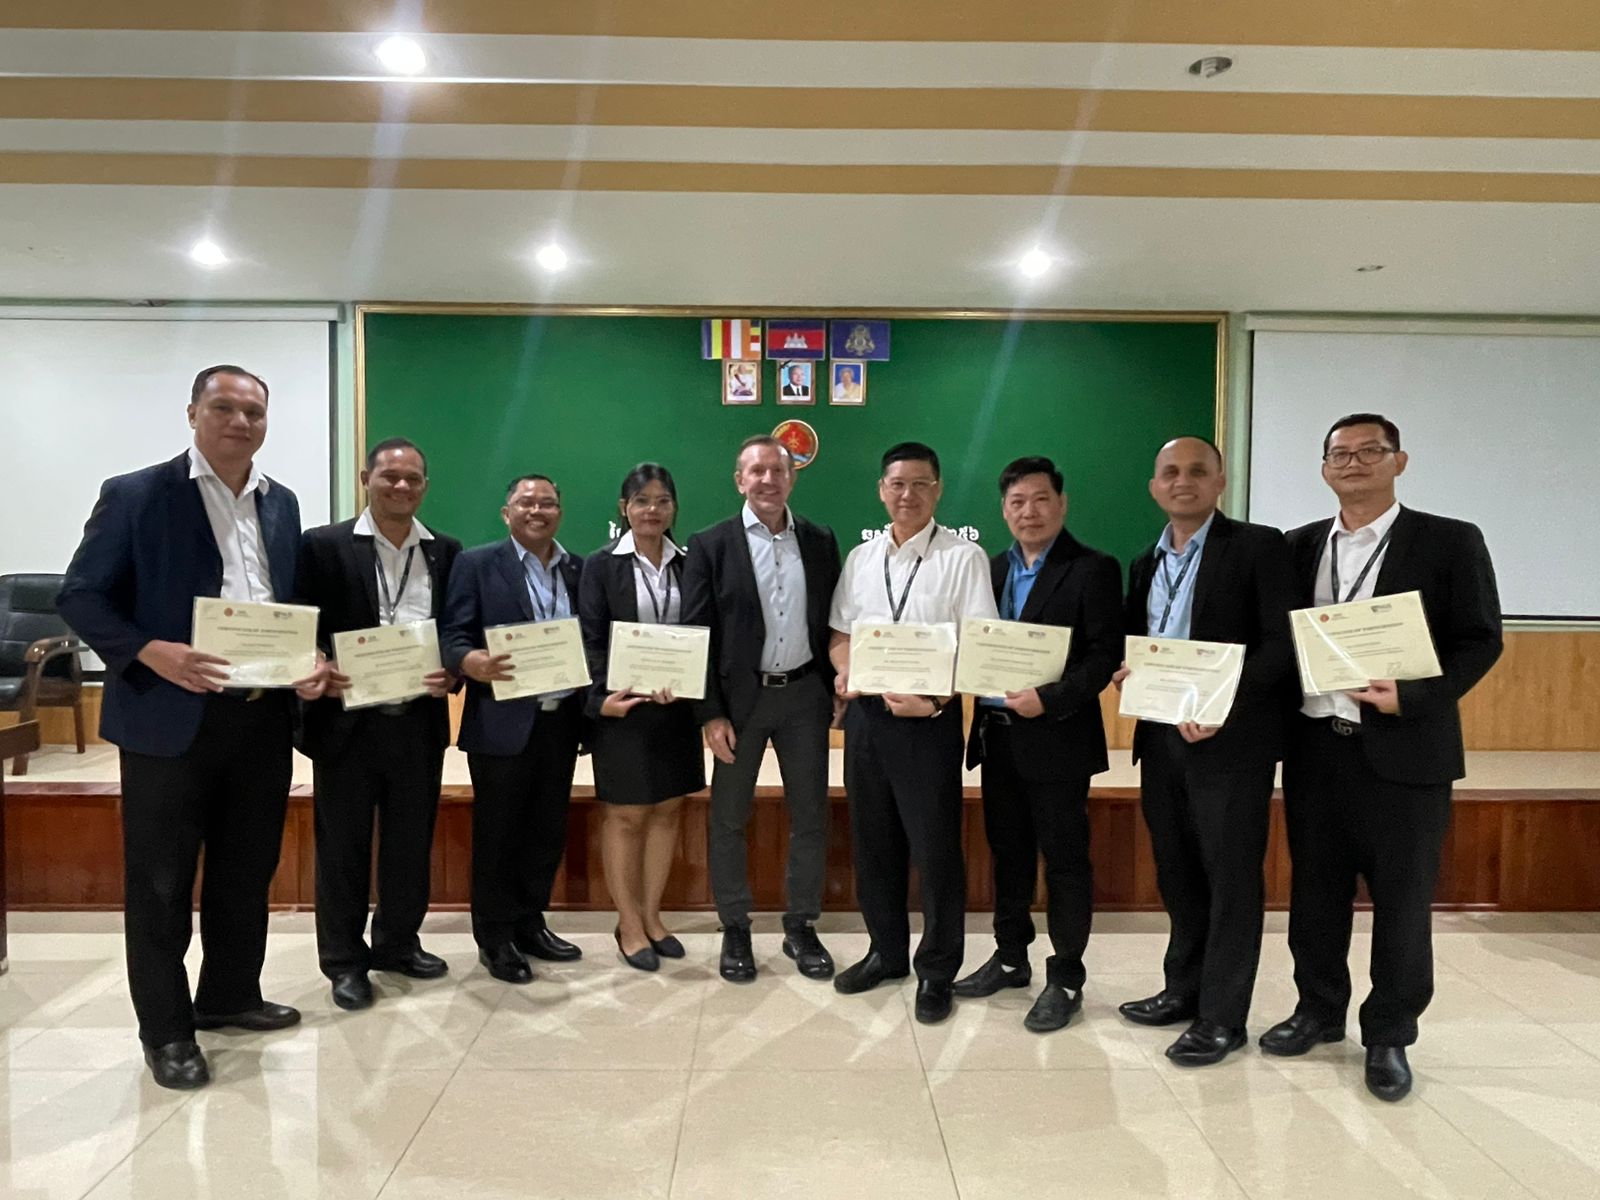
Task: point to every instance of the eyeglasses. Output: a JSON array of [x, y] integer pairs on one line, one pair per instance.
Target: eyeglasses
[[651, 503], [1367, 456], [917, 487]]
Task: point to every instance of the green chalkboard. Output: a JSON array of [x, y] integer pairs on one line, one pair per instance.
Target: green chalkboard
[[584, 398]]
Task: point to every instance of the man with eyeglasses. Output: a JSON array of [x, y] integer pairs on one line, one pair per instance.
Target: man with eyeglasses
[[520, 753], [1367, 774], [902, 766]]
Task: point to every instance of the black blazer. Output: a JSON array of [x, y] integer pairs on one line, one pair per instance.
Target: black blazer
[[147, 552], [1243, 591], [1081, 588], [1446, 560], [719, 591], [487, 587], [606, 594], [338, 573]]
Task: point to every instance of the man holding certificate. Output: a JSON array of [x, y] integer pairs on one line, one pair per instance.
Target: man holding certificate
[[899, 600], [378, 749], [1367, 773], [1206, 788], [1039, 745], [521, 748], [204, 763]]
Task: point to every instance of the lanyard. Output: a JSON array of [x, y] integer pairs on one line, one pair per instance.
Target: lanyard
[[663, 606], [392, 607], [895, 610], [1173, 585], [539, 613], [1333, 566]]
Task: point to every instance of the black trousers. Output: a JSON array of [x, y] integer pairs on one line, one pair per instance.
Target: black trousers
[[1208, 829], [389, 768], [903, 776], [519, 825], [1022, 818], [227, 793], [1345, 821]]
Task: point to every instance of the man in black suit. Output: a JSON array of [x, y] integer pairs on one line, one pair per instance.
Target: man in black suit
[[382, 568], [1367, 774], [520, 753], [1039, 747], [795, 384], [1206, 789], [203, 764], [762, 582]]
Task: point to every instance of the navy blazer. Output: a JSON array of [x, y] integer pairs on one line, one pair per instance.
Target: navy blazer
[[147, 552], [487, 587]]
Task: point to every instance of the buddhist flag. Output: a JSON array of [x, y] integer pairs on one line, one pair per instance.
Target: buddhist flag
[[730, 339]]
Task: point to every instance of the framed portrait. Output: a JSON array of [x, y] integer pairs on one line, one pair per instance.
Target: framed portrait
[[797, 383], [847, 380], [741, 381]]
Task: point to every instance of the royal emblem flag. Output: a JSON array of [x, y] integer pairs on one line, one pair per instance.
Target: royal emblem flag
[[730, 339], [797, 340], [865, 341]]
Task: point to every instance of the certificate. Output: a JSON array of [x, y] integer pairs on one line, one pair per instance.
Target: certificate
[[1172, 680], [658, 658], [911, 660], [266, 645], [996, 657], [546, 656], [1343, 646], [386, 665]]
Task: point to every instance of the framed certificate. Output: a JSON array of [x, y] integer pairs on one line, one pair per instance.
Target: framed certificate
[[266, 645], [658, 658], [912, 660], [386, 664], [995, 657], [546, 656], [1339, 647], [1171, 680]]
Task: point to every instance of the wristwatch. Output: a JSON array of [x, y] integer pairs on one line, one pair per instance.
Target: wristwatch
[[938, 707]]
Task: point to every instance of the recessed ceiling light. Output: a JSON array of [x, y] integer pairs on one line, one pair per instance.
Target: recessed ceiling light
[[551, 257], [402, 56], [207, 253], [1369, 267], [1034, 263], [1210, 66]]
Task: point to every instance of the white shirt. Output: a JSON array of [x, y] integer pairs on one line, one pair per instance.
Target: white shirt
[[237, 527], [416, 603], [659, 598], [781, 585], [1354, 549], [952, 583]]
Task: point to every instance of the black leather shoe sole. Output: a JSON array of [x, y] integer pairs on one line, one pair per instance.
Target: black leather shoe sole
[[1285, 1047], [810, 966], [267, 1019]]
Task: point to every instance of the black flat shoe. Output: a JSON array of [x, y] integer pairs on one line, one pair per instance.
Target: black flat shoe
[[265, 1019], [801, 943], [1205, 1043], [505, 963], [1054, 1008], [1388, 1073], [640, 960], [1298, 1034], [667, 947], [352, 991], [865, 975], [1164, 1008], [178, 1065], [738, 960], [416, 963], [990, 978], [934, 1001], [546, 945]]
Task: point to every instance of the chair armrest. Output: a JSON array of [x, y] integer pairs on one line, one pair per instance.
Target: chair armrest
[[43, 650]]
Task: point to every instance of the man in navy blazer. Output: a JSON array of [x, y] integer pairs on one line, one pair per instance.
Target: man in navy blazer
[[202, 764], [521, 753]]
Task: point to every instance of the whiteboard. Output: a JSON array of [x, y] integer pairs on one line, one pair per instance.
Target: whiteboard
[[84, 399], [1502, 430]]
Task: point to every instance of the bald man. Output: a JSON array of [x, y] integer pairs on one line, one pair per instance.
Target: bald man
[[1205, 789]]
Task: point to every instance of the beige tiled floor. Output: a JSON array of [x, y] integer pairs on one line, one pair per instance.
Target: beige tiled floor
[[598, 1081]]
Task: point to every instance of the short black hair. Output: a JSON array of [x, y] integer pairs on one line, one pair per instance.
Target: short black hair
[[522, 479], [204, 378], [909, 452], [1390, 429], [396, 443], [1035, 464]]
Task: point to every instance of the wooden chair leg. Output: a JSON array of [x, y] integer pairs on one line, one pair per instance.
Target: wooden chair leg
[[77, 721], [19, 765]]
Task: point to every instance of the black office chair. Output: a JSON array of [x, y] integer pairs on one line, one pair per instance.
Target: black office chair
[[39, 656]]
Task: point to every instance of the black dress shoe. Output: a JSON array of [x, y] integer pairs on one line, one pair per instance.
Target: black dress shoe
[[415, 963], [644, 959], [1053, 1009], [352, 991], [1205, 1043], [1164, 1008], [265, 1019], [1298, 1034], [738, 962], [865, 975], [934, 1001], [543, 944], [1388, 1072], [178, 1065], [801, 943], [505, 963], [667, 947], [991, 977]]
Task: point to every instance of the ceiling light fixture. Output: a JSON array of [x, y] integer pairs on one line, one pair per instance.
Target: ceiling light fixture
[[1210, 66], [402, 56], [551, 257], [1034, 263], [207, 253]]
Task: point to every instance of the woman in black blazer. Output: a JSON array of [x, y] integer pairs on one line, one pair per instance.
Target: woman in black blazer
[[647, 753]]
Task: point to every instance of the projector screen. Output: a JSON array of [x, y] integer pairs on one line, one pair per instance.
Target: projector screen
[[1502, 429]]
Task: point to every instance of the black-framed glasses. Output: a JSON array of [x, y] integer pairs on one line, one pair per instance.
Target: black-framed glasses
[[1367, 456]]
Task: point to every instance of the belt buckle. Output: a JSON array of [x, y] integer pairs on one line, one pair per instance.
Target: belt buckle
[[998, 715], [775, 679], [1344, 728], [549, 705]]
